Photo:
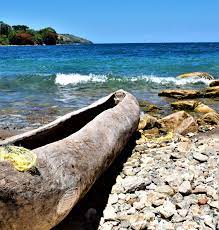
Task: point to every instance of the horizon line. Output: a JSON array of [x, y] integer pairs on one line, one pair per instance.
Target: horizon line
[[105, 43]]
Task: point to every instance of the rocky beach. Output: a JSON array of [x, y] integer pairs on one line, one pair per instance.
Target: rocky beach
[[173, 185], [167, 176], [169, 187], [166, 179], [109, 115]]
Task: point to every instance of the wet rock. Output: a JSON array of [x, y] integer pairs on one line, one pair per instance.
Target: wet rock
[[211, 118], [184, 105], [147, 106], [180, 93], [210, 92], [196, 75], [214, 83], [191, 105], [202, 108]]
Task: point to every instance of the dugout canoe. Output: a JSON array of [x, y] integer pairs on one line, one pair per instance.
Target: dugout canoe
[[72, 152]]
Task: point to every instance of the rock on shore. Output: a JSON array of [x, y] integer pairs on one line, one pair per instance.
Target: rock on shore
[[210, 92], [167, 186], [196, 75]]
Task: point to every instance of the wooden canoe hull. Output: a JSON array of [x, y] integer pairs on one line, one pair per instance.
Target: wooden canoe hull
[[66, 168]]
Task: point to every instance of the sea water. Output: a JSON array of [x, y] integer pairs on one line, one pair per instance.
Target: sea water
[[41, 83]]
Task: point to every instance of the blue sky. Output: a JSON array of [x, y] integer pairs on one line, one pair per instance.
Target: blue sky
[[112, 21]]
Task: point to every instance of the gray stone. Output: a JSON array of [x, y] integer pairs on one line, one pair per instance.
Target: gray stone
[[167, 210], [134, 183], [185, 188], [109, 213], [149, 216], [208, 220], [182, 212], [165, 225], [214, 204], [200, 157], [138, 222], [124, 224], [165, 189], [113, 199]]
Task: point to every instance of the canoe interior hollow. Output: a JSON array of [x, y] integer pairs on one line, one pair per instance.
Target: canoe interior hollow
[[68, 126]]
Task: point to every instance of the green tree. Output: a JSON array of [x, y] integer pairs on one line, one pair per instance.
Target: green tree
[[22, 39], [49, 36], [20, 28], [4, 40], [38, 39], [4, 29]]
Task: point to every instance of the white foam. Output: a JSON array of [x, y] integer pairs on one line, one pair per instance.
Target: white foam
[[76, 78], [173, 80]]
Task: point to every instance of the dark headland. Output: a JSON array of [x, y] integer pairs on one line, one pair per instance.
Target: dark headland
[[24, 35]]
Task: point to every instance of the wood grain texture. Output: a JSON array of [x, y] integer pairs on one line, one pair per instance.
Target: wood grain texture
[[66, 168]]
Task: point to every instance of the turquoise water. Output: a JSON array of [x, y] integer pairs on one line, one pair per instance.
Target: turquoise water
[[40, 83]]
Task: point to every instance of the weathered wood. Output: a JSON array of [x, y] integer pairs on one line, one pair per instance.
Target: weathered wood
[[67, 167]]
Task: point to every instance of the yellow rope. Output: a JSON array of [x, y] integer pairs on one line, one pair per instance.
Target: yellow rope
[[21, 158], [167, 137]]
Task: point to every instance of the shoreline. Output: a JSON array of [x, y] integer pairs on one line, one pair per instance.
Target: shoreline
[[125, 200], [156, 185]]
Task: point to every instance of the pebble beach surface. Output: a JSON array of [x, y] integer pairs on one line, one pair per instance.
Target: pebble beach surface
[[167, 186]]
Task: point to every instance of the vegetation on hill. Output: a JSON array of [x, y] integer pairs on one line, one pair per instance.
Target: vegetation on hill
[[69, 39], [23, 35]]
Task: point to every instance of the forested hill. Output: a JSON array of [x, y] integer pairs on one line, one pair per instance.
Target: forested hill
[[23, 35]]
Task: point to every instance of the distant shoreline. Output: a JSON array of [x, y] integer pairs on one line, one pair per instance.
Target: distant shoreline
[[50, 45]]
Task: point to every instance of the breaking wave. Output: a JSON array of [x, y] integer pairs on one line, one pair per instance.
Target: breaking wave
[[76, 78]]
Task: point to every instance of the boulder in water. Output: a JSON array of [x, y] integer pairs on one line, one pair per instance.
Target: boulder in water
[[202, 108], [180, 93], [184, 105], [191, 105], [211, 118], [196, 75], [211, 92], [214, 83]]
